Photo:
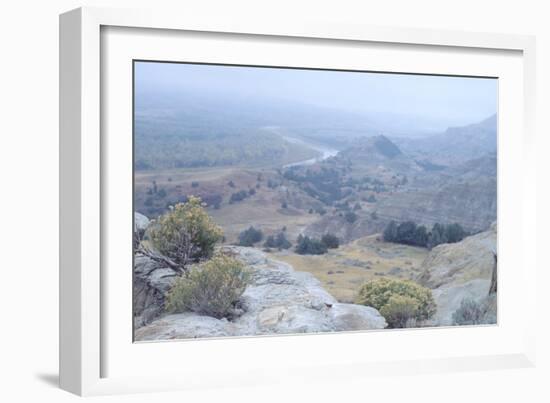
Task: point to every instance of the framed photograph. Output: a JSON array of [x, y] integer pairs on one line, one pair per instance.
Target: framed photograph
[[269, 201]]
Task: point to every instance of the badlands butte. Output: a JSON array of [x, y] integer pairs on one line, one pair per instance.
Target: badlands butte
[[309, 187]]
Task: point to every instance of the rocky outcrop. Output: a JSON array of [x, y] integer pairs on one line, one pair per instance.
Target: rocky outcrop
[[151, 280], [140, 222], [464, 270], [470, 202], [151, 283], [279, 300], [456, 144]]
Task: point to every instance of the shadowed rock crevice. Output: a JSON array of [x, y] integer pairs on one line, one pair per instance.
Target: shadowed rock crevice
[[151, 283]]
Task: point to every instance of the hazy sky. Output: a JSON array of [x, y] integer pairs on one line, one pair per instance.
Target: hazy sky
[[440, 101]]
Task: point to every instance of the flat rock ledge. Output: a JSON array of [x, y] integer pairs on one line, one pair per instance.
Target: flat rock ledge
[[279, 300]]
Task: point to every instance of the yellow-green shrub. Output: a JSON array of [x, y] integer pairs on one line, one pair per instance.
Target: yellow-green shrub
[[186, 233], [400, 311], [210, 288], [399, 301]]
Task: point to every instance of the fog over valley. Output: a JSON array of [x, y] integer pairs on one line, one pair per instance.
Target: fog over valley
[[407, 105]]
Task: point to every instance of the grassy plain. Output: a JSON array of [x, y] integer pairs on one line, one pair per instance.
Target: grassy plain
[[342, 271], [263, 209]]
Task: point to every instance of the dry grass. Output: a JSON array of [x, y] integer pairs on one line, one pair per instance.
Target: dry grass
[[344, 270], [263, 211]]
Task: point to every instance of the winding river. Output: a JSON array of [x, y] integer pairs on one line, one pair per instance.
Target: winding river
[[325, 151]]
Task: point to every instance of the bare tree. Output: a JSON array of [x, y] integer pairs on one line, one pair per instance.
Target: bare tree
[[140, 248]]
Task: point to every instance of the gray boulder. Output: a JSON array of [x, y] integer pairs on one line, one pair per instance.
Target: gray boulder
[[140, 222], [346, 317]]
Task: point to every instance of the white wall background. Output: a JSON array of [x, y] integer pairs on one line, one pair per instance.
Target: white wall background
[[29, 201]]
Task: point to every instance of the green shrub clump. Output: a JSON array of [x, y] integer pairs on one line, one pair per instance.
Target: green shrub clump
[[210, 288], [351, 217], [309, 246], [250, 236], [186, 233], [279, 241], [331, 241], [403, 303], [238, 196], [409, 233], [400, 311]]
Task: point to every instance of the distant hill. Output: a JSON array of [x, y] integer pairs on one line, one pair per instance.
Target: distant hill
[[369, 154], [373, 147], [195, 129], [456, 144]]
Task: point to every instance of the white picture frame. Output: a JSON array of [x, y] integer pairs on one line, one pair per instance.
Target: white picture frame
[[87, 344]]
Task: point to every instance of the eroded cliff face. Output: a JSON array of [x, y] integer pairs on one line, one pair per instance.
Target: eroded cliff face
[[461, 190], [344, 230], [279, 300], [464, 270], [472, 204]]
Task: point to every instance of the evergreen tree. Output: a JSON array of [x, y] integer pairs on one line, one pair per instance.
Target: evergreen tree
[[270, 242], [455, 233], [282, 242], [279, 241], [421, 236], [406, 233], [250, 236], [310, 246], [331, 241], [390, 233], [437, 236], [350, 217]]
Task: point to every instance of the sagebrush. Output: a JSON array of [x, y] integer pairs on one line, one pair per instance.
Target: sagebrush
[[473, 312], [401, 302], [186, 234], [210, 288], [400, 311]]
